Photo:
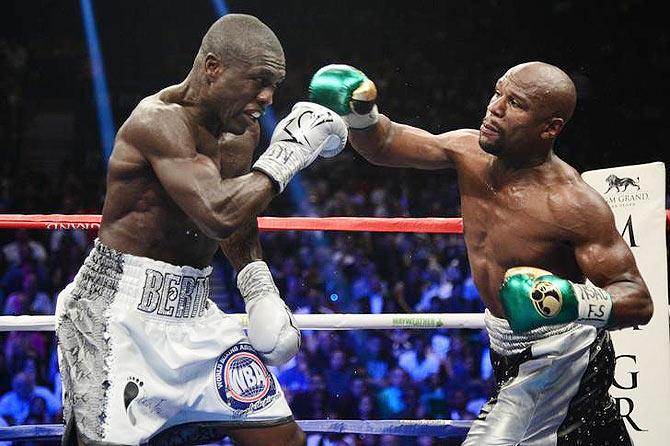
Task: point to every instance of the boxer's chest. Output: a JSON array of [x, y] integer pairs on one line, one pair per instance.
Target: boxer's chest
[[507, 230], [512, 226]]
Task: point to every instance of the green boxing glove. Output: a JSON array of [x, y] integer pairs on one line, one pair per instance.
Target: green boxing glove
[[535, 298], [347, 91]]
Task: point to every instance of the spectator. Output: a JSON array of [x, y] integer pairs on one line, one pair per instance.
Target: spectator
[[348, 405], [391, 398], [312, 403], [295, 374], [458, 401], [419, 362], [367, 408], [16, 403], [37, 413], [28, 300], [338, 375], [376, 360], [433, 400], [22, 247]]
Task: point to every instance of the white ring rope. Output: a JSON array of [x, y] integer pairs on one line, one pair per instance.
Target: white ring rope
[[411, 428], [338, 321], [308, 321]]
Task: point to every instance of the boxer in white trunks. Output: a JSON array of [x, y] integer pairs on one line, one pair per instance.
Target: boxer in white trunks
[[146, 356]]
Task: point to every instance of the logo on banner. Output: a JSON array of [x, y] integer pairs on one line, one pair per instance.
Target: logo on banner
[[621, 183], [623, 192], [243, 381]]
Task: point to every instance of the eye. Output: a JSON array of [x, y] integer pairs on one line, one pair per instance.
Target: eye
[[514, 103]]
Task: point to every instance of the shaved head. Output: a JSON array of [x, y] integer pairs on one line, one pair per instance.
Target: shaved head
[[239, 37], [549, 84], [239, 65], [530, 106]]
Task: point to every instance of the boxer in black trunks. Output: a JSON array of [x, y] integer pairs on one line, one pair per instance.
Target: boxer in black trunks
[[534, 232]]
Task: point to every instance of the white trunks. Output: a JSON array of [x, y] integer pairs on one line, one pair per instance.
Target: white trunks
[[143, 350]]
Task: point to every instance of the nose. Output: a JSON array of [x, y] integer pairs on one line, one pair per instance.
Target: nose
[[497, 106], [266, 96]]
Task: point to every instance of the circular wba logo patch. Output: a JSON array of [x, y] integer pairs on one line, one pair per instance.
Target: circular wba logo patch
[[243, 381], [547, 299]]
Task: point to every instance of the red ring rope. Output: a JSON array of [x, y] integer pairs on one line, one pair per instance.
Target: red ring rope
[[361, 224], [364, 224]]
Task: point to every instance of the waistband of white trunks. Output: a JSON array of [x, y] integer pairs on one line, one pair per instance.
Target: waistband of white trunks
[[157, 287], [503, 340]]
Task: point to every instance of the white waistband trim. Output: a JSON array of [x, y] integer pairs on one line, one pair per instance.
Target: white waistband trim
[[138, 264], [505, 341], [153, 287]]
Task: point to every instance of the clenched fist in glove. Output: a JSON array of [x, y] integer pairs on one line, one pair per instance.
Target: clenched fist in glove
[[272, 330], [349, 92], [309, 130], [534, 298]]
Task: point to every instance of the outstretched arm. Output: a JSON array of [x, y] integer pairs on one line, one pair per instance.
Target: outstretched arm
[[391, 144], [381, 141]]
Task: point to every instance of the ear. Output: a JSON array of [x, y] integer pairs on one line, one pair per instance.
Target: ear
[[552, 128], [213, 67]]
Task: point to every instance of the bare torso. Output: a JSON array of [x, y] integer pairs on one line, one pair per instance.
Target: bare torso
[[139, 217], [514, 220]]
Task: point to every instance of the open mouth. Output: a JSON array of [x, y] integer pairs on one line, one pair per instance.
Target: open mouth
[[254, 115]]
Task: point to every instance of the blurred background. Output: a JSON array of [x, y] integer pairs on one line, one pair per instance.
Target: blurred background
[[435, 65]]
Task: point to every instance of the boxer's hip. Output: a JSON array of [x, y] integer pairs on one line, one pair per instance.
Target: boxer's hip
[[143, 348], [552, 383]]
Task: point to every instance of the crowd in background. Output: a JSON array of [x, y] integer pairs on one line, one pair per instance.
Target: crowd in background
[[360, 374], [403, 374], [376, 374]]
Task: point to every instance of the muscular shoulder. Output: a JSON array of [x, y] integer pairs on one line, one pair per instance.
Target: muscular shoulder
[[460, 141], [155, 126], [462, 148], [578, 208]]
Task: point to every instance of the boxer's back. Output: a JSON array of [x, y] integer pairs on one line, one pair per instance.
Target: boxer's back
[[139, 217]]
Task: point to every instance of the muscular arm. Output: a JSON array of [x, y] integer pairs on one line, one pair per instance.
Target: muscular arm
[[397, 145], [243, 246], [217, 206], [608, 262]]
